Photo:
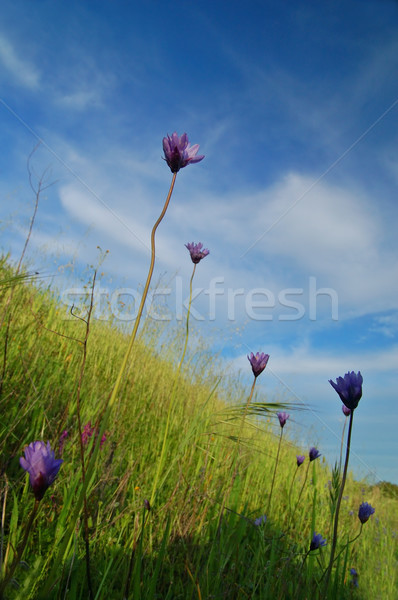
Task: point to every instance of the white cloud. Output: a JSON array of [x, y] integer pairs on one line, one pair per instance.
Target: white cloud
[[297, 230], [333, 233], [80, 99], [24, 72], [386, 324]]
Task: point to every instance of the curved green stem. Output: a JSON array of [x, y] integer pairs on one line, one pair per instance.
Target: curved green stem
[[246, 409], [143, 298], [336, 515]]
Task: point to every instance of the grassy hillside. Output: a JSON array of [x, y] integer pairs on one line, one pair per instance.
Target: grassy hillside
[[193, 534]]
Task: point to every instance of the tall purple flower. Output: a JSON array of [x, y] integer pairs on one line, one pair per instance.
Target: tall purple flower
[[196, 252], [41, 465], [349, 388], [283, 417], [178, 153], [258, 362], [313, 454], [300, 459], [365, 511], [317, 541]]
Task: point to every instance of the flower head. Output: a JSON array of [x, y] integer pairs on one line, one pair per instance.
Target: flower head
[[258, 362], [354, 575], [283, 417], [313, 454], [317, 541], [260, 520], [365, 511], [349, 388], [300, 459], [346, 411], [178, 153], [41, 465], [196, 252], [87, 432]]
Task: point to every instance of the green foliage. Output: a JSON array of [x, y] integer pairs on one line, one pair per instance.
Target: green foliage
[[199, 540]]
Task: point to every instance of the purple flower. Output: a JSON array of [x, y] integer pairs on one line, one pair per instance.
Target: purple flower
[[300, 460], [87, 432], [354, 574], [283, 417], [313, 453], [365, 511], [260, 520], [317, 541], [178, 153], [41, 465], [349, 388], [346, 411], [196, 252], [258, 362]]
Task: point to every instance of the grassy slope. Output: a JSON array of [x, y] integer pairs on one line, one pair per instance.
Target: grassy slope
[[194, 544]]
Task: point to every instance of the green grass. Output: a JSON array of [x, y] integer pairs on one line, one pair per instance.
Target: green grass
[[198, 541]]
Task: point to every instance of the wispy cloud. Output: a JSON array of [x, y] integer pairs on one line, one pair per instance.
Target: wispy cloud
[[387, 325], [22, 71]]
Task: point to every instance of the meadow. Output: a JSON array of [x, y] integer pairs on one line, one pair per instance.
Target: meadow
[[181, 484]]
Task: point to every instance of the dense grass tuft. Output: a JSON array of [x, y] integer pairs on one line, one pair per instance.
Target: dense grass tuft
[[198, 539]]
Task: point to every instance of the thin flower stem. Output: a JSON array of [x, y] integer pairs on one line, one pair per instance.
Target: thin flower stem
[[172, 397], [304, 559], [291, 487], [17, 558], [143, 298], [246, 410], [336, 516], [275, 468], [301, 492], [347, 544], [187, 324]]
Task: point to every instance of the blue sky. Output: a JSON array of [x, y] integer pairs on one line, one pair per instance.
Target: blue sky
[[295, 106]]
